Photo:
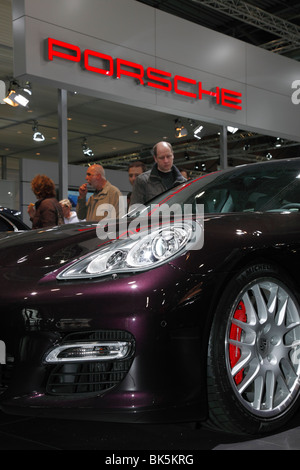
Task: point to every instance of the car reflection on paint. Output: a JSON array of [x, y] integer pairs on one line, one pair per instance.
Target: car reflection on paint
[[10, 220], [161, 327]]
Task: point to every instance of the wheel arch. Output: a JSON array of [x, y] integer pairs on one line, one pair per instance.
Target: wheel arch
[[252, 256], [216, 288]]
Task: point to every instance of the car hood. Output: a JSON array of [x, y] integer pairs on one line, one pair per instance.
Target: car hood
[[55, 247], [50, 247]]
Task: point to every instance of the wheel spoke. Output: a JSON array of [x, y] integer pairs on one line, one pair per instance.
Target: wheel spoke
[[282, 313], [272, 302], [261, 310], [243, 361], [251, 312], [249, 379], [270, 389], [258, 392]]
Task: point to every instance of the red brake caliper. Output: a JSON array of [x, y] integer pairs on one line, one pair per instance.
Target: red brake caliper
[[235, 334]]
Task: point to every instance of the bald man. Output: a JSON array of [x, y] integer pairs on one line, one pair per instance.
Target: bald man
[[104, 193], [163, 175]]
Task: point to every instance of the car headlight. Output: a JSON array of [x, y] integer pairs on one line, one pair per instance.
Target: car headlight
[[149, 251]]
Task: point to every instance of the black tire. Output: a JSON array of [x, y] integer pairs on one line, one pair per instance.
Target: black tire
[[253, 353]]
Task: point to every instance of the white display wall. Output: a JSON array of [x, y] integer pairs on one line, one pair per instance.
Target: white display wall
[[129, 31]]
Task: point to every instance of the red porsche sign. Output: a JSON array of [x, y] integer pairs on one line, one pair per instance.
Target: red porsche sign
[[149, 76]]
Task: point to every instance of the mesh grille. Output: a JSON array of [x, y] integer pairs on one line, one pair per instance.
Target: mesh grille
[[90, 377], [99, 335]]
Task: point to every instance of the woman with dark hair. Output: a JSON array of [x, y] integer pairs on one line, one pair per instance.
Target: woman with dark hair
[[46, 212]]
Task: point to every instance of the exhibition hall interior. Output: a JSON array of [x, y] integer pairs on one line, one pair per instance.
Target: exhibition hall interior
[[114, 131], [115, 134]]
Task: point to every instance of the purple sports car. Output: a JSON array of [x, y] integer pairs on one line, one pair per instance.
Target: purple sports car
[[193, 318]]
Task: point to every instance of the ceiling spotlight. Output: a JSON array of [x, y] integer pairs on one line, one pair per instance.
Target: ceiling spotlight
[[23, 95], [18, 95], [279, 142], [180, 130], [86, 150], [197, 132], [12, 93], [232, 129], [37, 135]]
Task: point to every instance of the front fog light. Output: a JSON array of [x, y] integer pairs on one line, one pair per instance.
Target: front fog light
[[74, 352]]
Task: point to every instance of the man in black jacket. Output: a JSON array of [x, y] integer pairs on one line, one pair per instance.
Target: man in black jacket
[[163, 175]]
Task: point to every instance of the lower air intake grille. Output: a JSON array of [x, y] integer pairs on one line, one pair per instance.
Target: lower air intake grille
[[90, 377], [87, 377]]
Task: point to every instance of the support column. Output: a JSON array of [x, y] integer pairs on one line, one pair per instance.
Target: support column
[[63, 144], [223, 148], [3, 168]]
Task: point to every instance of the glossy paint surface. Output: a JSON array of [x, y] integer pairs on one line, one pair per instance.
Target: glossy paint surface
[[167, 311]]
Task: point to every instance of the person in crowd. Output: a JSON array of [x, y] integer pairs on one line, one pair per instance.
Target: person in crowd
[[104, 193], [47, 211], [163, 175], [70, 217], [185, 173], [135, 169]]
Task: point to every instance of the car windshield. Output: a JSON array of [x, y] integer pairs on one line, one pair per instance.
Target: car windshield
[[258, 187]]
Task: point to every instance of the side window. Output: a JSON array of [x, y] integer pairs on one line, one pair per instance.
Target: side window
[[289, 198], [215, 200]]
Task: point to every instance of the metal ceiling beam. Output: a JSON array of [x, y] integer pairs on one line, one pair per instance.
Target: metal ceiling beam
[[254, 16], [201, 151], [280, 46]]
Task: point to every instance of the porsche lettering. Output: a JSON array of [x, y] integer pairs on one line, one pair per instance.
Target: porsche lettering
[[104, 64]]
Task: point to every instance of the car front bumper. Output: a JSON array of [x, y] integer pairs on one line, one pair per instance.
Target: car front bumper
[[161, 379]]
